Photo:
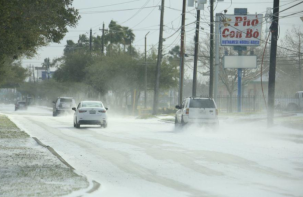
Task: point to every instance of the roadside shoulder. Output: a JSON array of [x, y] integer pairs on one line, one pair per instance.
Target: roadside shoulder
[[28, 169]]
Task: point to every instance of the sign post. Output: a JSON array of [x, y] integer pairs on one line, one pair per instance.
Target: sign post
[[240, 30], [239, 89]]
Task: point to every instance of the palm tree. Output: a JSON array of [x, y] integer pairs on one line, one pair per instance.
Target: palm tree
[[115, 33], [129, 37], [124, 41], [83, 40]]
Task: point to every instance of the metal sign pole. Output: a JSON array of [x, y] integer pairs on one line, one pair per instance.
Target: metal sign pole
[[239, 89]]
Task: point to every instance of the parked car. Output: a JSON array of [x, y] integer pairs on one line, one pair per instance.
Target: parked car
[[290, 104], [90, 113], [63, 105], [197, 110], [20, 105]]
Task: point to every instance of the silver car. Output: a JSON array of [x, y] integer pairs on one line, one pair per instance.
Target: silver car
[[63, 105], [197, 110], [90, 113]]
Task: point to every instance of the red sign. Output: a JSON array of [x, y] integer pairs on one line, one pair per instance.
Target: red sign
[[241, 30]]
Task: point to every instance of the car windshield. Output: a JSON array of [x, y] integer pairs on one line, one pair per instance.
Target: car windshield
[[92, 104], [65, 100], [201, 103]]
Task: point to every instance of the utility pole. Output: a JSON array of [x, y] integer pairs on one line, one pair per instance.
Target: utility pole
[[211, 66], [182, 51], [145, 84], [130, 48], [194, 91], [90, 41], [103, 37], [217, 58], [30, 72], [300, 68], [33, 70], [48, 65], [156, 94], [272, 66]]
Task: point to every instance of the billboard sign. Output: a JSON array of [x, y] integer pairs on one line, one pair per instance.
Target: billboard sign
[[241, 30], [240, 61]]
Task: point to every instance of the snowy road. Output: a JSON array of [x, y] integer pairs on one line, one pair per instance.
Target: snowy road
[[148, 158]]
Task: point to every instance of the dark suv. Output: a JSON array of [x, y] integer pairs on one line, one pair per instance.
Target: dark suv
[[62, 105], [20, 105]]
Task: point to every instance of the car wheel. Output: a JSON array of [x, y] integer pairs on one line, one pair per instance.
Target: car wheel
[[182, 121], [104, 125], [77, 124], [177, 124], [54, 113]]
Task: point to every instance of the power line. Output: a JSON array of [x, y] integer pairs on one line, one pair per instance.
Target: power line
[[291, 7], [107, 5], [263, 2], [136, 12], [122, 10], [290, 14], [145, 17]]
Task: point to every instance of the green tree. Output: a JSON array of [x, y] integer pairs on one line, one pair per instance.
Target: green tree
[[12, 74], [26, 25], [128, 38], [72, 68]]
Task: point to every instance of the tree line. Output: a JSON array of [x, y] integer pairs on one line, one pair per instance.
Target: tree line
[[120, 70]]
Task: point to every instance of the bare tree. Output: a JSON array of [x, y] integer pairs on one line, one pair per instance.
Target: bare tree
[[290, 58]]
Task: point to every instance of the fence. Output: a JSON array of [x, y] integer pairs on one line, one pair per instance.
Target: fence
[[249, 103]]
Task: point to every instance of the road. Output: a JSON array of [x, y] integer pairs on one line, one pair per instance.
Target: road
[[135, 157]]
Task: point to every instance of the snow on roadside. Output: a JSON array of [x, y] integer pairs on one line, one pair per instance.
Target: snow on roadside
[[28, 169]]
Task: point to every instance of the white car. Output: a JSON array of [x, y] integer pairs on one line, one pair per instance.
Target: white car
[[90, 113], [197, 110]]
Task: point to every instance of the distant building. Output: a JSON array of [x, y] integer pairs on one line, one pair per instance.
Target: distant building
[[42, 74]]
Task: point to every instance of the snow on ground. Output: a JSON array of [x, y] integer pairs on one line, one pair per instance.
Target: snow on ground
[[28, 169], [137, 157]]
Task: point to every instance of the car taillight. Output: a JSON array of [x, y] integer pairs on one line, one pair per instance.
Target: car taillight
[[82, 111], [102, 111], [187, 111], [217, 112]]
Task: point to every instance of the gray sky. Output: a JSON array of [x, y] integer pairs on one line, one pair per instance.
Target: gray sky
[[95, 12]]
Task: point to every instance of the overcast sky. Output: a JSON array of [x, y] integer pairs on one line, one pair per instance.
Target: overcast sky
[[129, 13]]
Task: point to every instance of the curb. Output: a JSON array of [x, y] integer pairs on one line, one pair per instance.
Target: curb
[[96, 185], [54, 153]]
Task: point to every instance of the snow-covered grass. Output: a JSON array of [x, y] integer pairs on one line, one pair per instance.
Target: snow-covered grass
[[295, 122], [28, 169]]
